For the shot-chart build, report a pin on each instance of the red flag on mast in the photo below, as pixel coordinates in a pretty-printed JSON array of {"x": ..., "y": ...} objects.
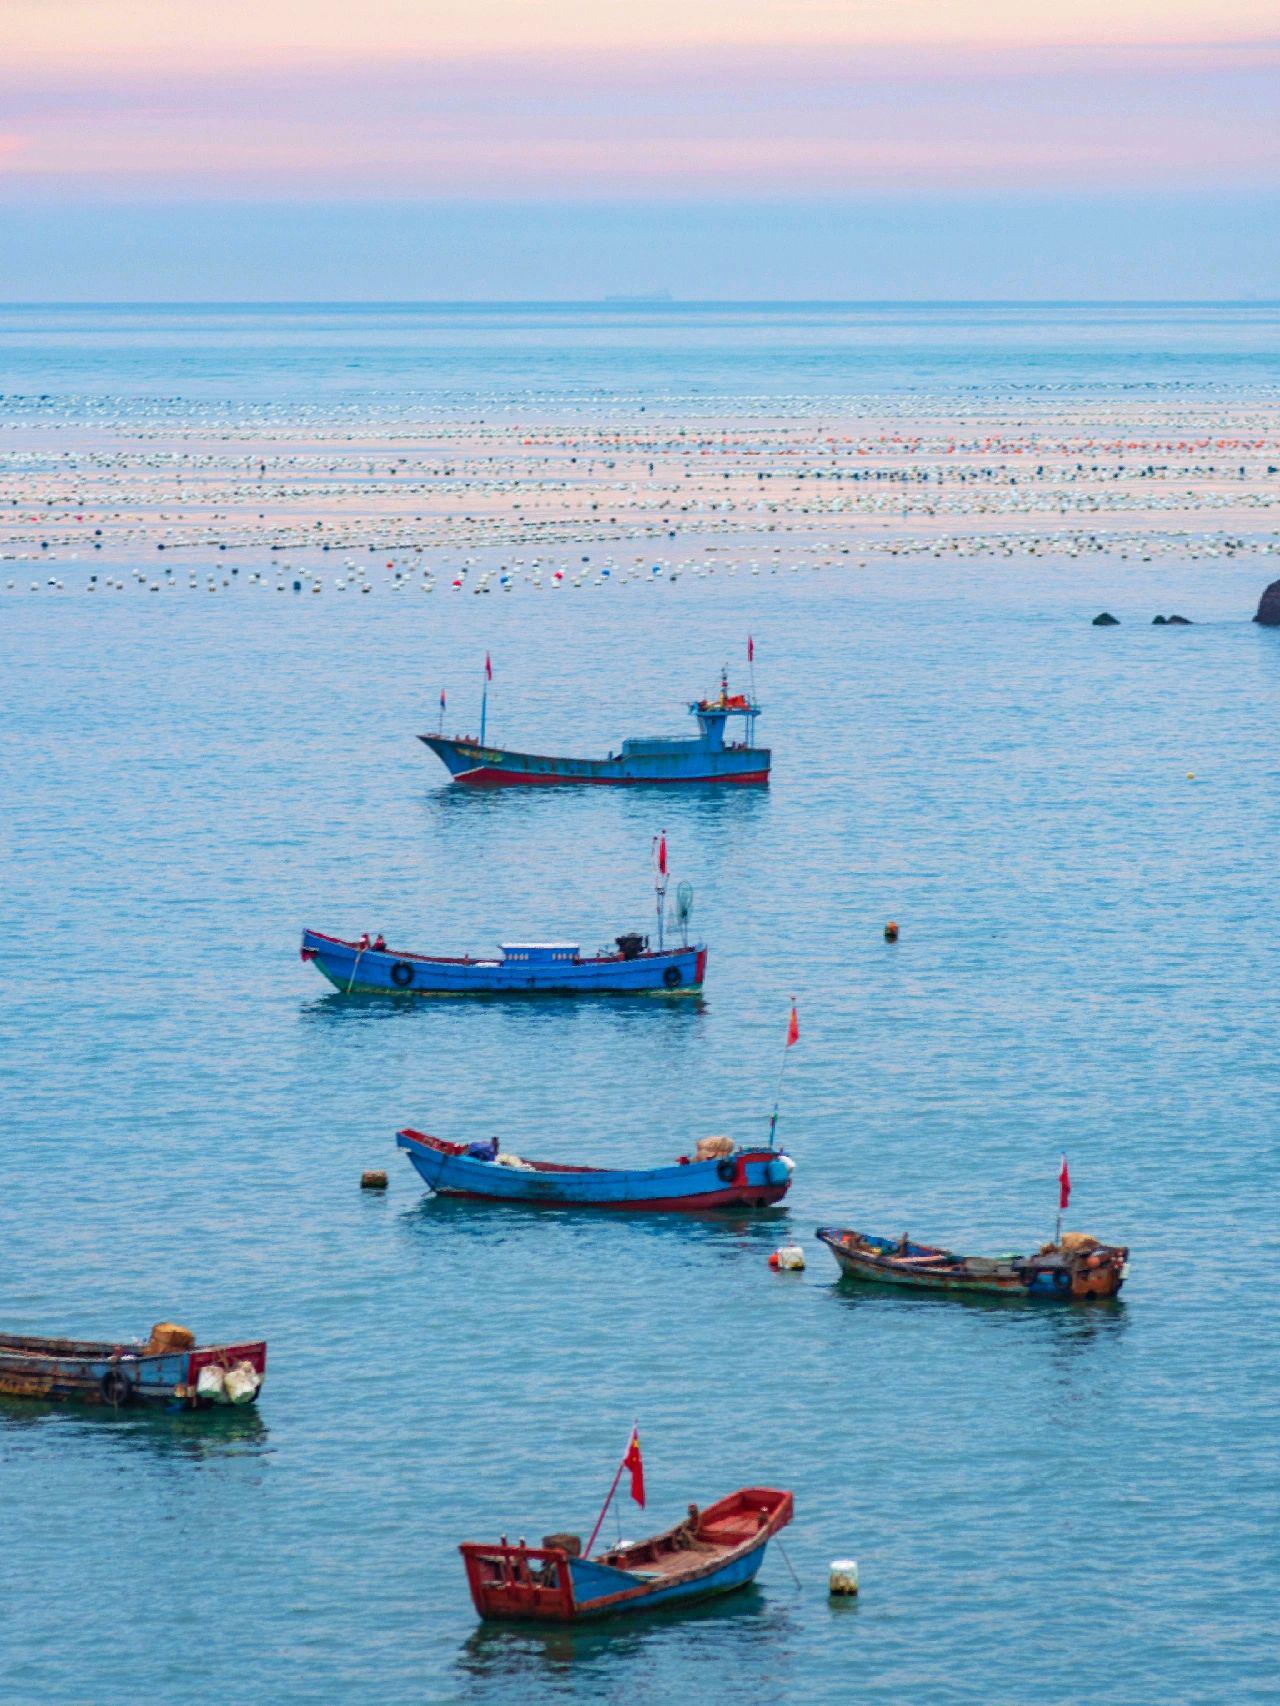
[
  {"x": 662, "y": 855},
  {"x": 488, "y": 668},
  {"x": 635, "y": 1463},
  {"x": 751, "y": 650},
  {"x": 793, "y": 1027},
  {"x": 1064, "y": 1185}
]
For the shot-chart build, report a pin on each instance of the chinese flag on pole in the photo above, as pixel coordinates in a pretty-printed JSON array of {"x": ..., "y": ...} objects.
[
  {"x": 662, "y": 855},
  {"x": 1064, "y": 1185},
  {"x": 751, "y": 649},
  {"x": 635, "y": 1463},
  {"x": 793, "y": 1027},
  {"x": 488, "y": 668}
]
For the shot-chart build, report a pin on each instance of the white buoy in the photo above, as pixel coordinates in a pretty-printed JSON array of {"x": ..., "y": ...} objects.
[
  {"x": 787, "y": 1259},
  {"x": 843, "y": 1578}
]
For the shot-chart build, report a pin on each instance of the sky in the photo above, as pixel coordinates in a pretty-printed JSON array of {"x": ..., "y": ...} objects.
[{"x": 407, "y": 149}]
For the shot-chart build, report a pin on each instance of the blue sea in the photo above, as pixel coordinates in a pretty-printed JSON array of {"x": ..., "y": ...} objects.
[{"x": 1076, "y": 831}]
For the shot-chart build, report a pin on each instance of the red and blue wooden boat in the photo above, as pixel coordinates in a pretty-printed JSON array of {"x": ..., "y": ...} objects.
[
  {"x": 524, "y": 968},
  {"x": 711, "y": 1552},
  {"x": 701, "y": 758},
  {"x": 750, "y": 1178},
  {"x": 1078, "y": 1266},
  {"x": 169, "y": 1369}
]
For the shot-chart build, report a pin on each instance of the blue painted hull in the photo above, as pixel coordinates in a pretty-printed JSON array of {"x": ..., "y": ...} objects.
[
  {"x": 597, "y": 1590},
  {"x": 753, "y": 1178},
  {"x": 664, "y": 762},
  {"x": 679, "y": 971}
]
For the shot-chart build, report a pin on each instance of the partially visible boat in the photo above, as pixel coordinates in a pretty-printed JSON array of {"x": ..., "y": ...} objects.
[
  {"x": 1078, "y": 1266},
  {"x": 710, "y": 1552},
  {"x": 704, "y": 757},
  {"x": 751, "y": 1178},
  {"x": 523, "y": 968},
  {"x": 168, "y": 1369}
]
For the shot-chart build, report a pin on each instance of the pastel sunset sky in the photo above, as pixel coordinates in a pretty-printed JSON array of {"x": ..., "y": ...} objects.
[{"x": 121, "y": 120}]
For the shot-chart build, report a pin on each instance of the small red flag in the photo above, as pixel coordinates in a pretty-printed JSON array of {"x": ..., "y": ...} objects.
[
  {"x": 635, "y": 1463},
  {"x": 662, "y": 855},
  {"x": 1064, "y": 1185},
  {"x": 751, "y": 649},
  {"x": 793, "y": 1027},
  {"x": 488, "y": 668},
  {"x": 442, "y": 698}
]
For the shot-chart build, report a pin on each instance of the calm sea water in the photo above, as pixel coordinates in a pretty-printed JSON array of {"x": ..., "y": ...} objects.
[{"x": 1045, "y": 1504}]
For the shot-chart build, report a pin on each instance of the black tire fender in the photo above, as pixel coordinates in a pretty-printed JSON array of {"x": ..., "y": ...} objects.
[
  {"x": 402, "y": 974},
  {"x": 672, "y": 977},
  {"x": 116, "y": 1388}
]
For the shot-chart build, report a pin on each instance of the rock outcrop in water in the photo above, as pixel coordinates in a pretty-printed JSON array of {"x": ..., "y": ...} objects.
[
  {"x": 1106, "y": 620},
  {"x": 1269, "y": 607}
]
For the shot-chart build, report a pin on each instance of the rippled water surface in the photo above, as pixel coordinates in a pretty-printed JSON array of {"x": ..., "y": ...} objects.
[{"x": 1076, "y": 830}]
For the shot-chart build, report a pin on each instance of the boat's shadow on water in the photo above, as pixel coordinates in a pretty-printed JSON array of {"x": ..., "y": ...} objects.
[
  {"x": 1078, "y": 1323},
  {"x": 530, "y": 1006},
  {"x": 196, "y": 1435},
  {"x": 495, "y": 1651},
  {"x": 728, "y": 1229},
  {"x": 703, "y": 802}
]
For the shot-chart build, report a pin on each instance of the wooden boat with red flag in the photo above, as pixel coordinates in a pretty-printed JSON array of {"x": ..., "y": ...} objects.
[
  {"x": 712, "y": 1551},
  {"x": 706, "y": 757},
  {"x": 1074, "y": 1266}
]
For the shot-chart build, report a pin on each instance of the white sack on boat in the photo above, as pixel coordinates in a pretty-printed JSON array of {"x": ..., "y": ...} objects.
[
  {"x": 241, "y": 1383},
  {"x": 514, "y": 1161},
  {"x": 211, "y": 1383}
]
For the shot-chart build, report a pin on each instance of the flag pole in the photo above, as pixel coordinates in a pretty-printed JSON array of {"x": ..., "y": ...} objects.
[
  {"x": 484, "y": 706},
  {"x": 622, "y": 1463},
  {"x": 777, "y": 1099}
]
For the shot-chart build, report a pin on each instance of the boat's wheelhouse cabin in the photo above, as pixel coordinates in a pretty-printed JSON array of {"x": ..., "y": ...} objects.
[{"x": 540, "y": 953}]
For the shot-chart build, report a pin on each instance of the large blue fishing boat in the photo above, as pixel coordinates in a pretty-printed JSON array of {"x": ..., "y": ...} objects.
[
  {"x": 751, "y": 1177},
  {"x": 704, "y": 757},
  {"x": 629, "y": 966},
  {"x": 523, "y": 968}
]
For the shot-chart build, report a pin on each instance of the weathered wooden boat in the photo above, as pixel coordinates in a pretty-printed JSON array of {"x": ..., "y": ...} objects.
[
  {"x": 710, "y": 1552},
  {"x": 748, "y": 1177},
  {"x": 168, "y": 1369},
  {"x": 1078, "y": 1266},
  {"x": 701, "y": 758},
  {"x": 363, "y": 968}
]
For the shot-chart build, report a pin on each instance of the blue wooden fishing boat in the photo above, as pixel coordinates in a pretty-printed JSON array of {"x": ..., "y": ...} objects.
[
  {"x": 711, "y": 1552},
  {"x": 168, "y": 1369},
  {"x": 704, "y": 757},
  {"x": 748, "y": 1177},
  {"x": 1074, "y": 1267},
  {"x": 370, "y": 967}
]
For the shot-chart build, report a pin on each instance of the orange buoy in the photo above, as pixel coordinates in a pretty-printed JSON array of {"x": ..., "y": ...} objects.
[{"x": 891, "y": 931}]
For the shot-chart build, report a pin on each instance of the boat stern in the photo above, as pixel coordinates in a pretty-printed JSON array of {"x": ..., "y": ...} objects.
[{"x": 519, "y": 1583}]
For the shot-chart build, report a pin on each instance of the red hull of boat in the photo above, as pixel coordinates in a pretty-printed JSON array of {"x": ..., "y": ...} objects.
[
  {"x": 493, "y": 778},
  {"x": 733, "y": 1196}
]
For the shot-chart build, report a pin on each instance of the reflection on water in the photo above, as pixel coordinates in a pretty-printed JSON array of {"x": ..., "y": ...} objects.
[
  {"x": 197, "y": 1435},
  {"x": 1075, "y": 1324},
  {"x": 727, "y": 1230},
  {"x": 518, "y": 1652},
  {"x": 338, "y": 1008}
]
